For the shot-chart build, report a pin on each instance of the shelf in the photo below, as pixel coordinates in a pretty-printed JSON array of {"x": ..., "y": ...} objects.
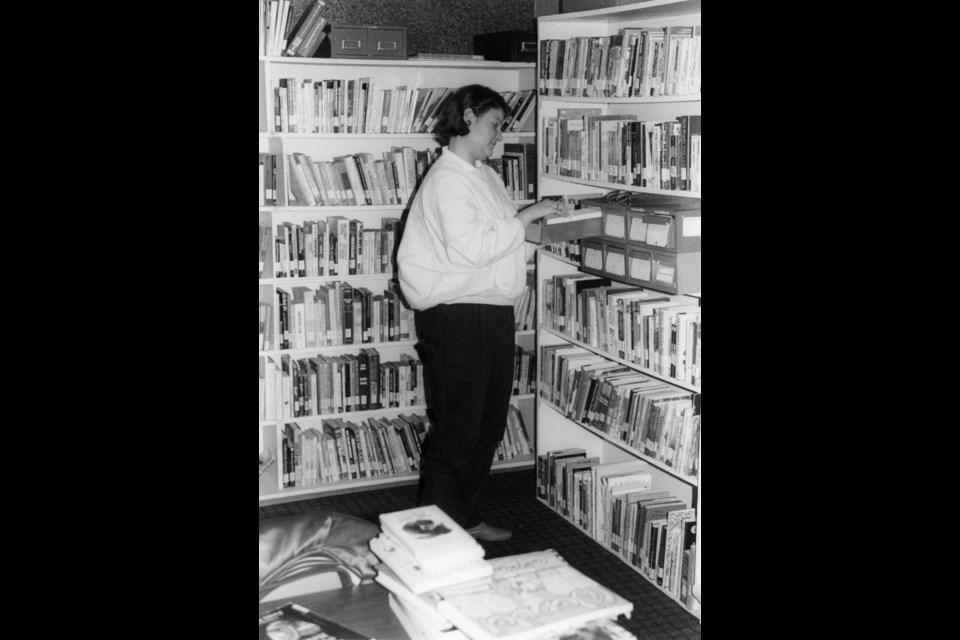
[
  {"x": 630, "y": 101},
  {"x": 356, "y": 416},
  {"x": 560, "y": 258},
  {"x": 619, "y": 187},
  {"x": 339, "y": 348},
  {"x": 345, "y": 486},
  {"x": 647, "y": 11},
  {"x": 490, "y": 65},
  {"x": 353, "y": 486},
  {"x": 693, "y": 482},
  {"x": 622, "y": 559},
  {"x": 367, "y": 277},
  {"x": 653, "y": 374}
]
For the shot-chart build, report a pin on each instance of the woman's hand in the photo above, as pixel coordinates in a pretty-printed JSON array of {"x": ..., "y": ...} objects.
[{"x": 540, "y": 210}]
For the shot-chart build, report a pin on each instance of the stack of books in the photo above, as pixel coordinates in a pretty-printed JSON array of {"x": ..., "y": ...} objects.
[{"x": 442, "y": 588}]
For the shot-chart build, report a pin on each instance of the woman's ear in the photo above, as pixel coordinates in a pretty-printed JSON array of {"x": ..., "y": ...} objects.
[{"x": 469, "y": 117}]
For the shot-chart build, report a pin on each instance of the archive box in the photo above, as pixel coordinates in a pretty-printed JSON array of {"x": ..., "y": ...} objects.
[{"x": 352, "y": 41}]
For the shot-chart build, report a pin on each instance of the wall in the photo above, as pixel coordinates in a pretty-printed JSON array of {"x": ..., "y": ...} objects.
[{"x": 433, "y": 26}]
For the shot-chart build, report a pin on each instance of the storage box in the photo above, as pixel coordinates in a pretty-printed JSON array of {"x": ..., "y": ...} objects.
[
  {"x": 507, "y": 46},
  {"x": 352, "y": 41},
  {"x": 674, "y": 273},
  {"x": 658, "y": 223}
]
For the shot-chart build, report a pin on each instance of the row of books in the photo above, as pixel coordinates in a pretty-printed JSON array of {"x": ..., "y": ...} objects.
[
  {"x": 619, "y": 149},
  {"x": 443, "y": 586},
  {"x": 359, "y": 106},
  {"x": 268, "y": 180},
  {"x": 518, "y": 168},
  {"x": 568, "y": 250},
  {"x": 348, "y": 383},
  {"x": 636, "y": 62},
  {"x": 293, "y": 388},
  {"x": 278, "y": 38},
  {"x": 656, "y": 419},
  {"x": 341, "y": 450},
  {"x": 656, "y": 331},
  {"x": 335, "y": 246},
  {"x": 358, "y": 179},
  {"x": 616, "y": 504},
  {"x": 274, "y": 21},
  {"x": 338, "y": 313}
]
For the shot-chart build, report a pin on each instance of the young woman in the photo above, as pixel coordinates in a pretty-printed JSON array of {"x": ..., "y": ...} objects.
[{"x": 462, "y": 266}]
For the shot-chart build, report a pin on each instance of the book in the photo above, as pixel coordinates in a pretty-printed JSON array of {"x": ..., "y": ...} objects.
[
  {"x": 295, "y": 621},
  {"x": 528, "y": 596},
  {"x": 419, "y": 579},
  {"x": 420, "y": 627},
  {"x": 432, "y": 537}
]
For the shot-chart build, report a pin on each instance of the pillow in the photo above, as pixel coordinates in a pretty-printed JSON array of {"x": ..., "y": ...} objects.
[{"x": 305, "y": 544}]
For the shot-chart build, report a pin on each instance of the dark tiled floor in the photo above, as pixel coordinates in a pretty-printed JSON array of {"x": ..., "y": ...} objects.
[{"x": 510, "y": 501}]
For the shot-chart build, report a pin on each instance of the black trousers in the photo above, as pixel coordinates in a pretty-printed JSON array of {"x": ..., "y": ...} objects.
[{"x": 468, "y": 352}]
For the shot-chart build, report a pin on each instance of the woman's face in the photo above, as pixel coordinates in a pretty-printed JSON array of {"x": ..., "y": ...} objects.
[{"x": 484, "y": 132}]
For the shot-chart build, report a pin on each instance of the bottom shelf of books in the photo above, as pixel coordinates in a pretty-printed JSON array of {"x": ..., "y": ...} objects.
[
  {"x": 363, "y": 451},
  {"x": 441, "y": 586},
  {"x": 645, "y": 517}
]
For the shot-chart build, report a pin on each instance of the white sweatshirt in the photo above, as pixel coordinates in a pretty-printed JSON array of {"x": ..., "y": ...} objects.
[{"x": 462, "y": 242}]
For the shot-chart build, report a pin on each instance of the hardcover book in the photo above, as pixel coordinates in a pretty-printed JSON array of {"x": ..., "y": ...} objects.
[
  {"x": 529, "y": 596},
  {"x": 432, "y": 537},
  {"x": 294, "y": 621}
]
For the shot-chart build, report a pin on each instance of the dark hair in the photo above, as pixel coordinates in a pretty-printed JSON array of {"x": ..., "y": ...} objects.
[{"x": 474, "y": 96}]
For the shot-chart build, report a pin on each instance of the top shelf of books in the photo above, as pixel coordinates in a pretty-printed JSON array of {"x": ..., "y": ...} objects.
[{"x": 649, "y": 10}]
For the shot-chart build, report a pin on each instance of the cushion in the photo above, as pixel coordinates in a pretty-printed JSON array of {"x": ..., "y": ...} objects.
[{"x": 310, "y": 543}]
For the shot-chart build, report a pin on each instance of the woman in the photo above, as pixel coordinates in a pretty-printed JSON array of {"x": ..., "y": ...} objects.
[{"x": 462, "y": 266}]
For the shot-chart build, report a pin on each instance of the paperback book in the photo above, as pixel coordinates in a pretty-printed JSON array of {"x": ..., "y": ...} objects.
[
  {"x": 408, "y": 570},
  {"x": 432, "y": 537},
  {"x": 294, "y": 621}
]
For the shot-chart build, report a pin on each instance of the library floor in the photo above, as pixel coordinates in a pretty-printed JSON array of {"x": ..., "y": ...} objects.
[{"x": 510, "y": 501}]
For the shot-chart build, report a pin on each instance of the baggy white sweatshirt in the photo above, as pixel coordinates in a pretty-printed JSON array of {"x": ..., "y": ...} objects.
[{"x": 462, "y": 242}]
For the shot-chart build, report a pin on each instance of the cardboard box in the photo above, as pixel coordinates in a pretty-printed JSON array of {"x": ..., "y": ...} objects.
[{"x": 674, "y": 273}]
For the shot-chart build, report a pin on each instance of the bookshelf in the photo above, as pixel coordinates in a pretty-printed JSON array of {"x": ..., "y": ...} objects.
[
  {"x": 555, "y": 430},
  {"x": 287, "y": 212}
]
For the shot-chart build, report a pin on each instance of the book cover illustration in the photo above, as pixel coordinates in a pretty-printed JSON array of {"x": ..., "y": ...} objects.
[
  {"x": 541, "y": 594},
  {"x": 432, "y": 537},
  {"x": 293, "y": 622}
]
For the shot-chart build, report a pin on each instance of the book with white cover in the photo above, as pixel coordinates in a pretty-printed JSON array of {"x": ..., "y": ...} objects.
[
  {"x": 432, "y": 537},
  {"x": 418, "y": 578},
  {"x": 415, "y": 627},
  {"x": 529, "y": 596}
]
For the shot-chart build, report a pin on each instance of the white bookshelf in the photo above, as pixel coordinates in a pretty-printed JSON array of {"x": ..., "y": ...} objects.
[
  {"x": 386, "y": 74},
  {"x": 554, "y": 430}
]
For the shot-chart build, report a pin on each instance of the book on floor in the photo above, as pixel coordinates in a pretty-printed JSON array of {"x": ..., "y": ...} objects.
[
  {"x": 529, "y": 595},
  {"x": 410, "y": 571},
  {"x": 295, "y": 621},
  {"x": 432, "y": 537}
]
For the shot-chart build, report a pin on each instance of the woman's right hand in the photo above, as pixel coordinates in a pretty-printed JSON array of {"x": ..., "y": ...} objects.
[{"x": 541, "y": 210}]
